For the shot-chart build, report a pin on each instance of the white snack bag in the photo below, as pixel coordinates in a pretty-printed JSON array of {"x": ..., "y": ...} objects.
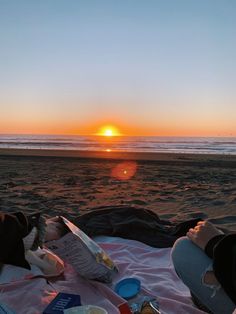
[{"x": 85, "y": 255}]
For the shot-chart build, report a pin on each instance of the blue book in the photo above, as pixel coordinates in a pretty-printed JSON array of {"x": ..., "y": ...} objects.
[{"x": 61, "y": 302}]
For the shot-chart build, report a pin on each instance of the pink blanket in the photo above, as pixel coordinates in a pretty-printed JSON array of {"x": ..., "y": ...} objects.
[{"x": 134, "y": 259}]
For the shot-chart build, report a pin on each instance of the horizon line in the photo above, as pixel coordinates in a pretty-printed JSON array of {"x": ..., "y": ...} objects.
[{"x": 116, "y": 136}]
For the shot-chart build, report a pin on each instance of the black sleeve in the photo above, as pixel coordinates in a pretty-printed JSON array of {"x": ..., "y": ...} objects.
[
  {"x": 209, "y": 248},
  {"x": 13, "y": 227},
  {"x": 224, "y": 264}
]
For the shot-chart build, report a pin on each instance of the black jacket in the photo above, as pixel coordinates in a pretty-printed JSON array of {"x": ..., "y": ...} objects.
[
  {"x": 13, "y": 228},
  {"x": 134, "y": 223},
  {"x": 222, "y": 249}
]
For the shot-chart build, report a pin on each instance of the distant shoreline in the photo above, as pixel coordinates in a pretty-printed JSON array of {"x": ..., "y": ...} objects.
[{"x": 161, "y": 158}]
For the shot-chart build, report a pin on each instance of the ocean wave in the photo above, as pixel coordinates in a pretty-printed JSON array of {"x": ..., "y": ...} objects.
[{"x": 197, "y": 145}]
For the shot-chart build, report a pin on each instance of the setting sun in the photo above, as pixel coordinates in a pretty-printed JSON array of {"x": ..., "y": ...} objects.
[{"x": 108, "y": 131}]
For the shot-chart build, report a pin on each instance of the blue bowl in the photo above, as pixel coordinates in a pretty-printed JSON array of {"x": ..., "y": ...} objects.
[{"x": 128, "y": 288}]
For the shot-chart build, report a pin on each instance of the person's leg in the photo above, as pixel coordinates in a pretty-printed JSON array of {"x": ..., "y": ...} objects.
[{"x": 191, "y": 265}]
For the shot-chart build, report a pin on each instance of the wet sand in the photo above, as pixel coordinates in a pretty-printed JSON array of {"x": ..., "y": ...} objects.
[{"x": 72, "y": 183}]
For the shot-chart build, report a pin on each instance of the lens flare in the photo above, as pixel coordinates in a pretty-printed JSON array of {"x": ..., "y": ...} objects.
[{"x": 124, "y": 170}]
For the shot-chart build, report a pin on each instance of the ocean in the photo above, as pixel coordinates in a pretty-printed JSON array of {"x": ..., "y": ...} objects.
[{"x": 193, "y": 145}]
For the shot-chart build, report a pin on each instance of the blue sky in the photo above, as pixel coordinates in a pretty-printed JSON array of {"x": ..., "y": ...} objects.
[{"x": 149, "y": 67}]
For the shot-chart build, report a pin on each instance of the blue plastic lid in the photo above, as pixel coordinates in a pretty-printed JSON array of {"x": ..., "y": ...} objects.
[{"x": 128, "y": 287}]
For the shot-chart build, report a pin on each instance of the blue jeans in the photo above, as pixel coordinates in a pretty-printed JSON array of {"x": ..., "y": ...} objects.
[{"x": 191, "y": 264}]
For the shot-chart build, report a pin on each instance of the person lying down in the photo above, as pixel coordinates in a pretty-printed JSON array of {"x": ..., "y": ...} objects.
[
  {"x": 27, "y": 241},
  {"x": 22, "y": 238}
]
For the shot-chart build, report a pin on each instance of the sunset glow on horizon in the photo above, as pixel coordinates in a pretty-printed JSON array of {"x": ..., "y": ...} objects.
[
  {"x": 108, "y": 131},
  {"x": 161, "y": 68}
]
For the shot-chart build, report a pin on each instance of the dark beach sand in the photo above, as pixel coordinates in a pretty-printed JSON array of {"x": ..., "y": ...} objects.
[{"x": 71, "y": 183}]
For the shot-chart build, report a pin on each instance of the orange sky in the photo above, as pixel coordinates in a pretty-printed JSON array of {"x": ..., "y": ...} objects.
[
  {"x": 164, "y": 68},
  {"x": 186, "y": 128}
]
